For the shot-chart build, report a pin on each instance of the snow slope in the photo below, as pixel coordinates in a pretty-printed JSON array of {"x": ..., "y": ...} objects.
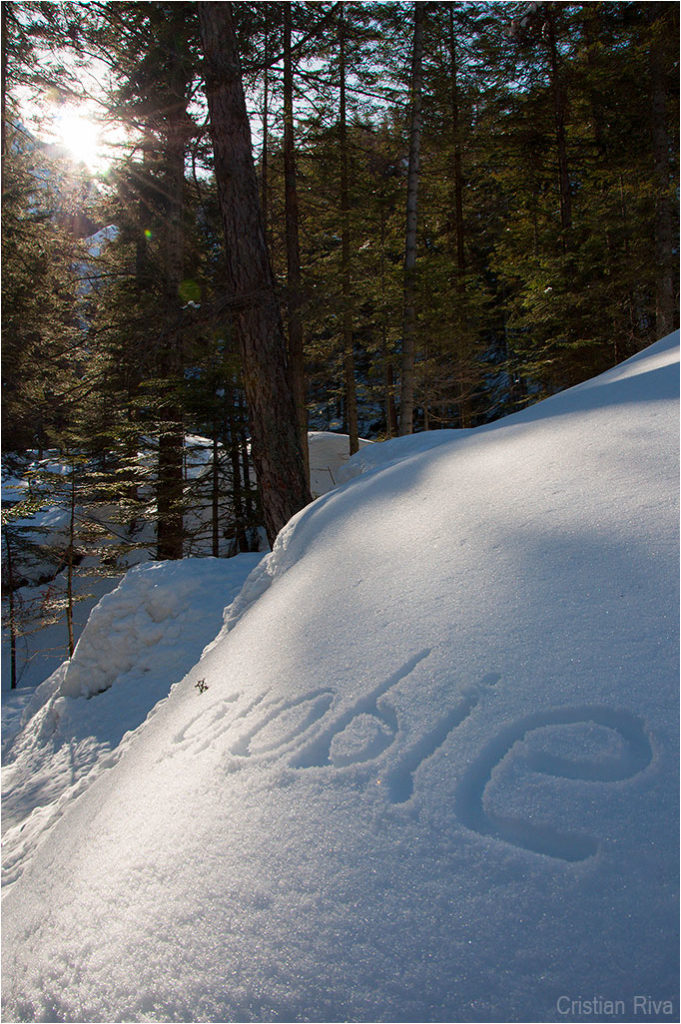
[
  {"x": 431, "y": 771},
  {"x": 140, "y": 639}
]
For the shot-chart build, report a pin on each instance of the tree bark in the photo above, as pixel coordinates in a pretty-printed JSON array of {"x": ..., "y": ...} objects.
[
  {"x": 591, "y": 27},
  {"x": 277, "y": 454},
  {"x": 170, "y": 486},
  {"x": 265, "y": 134},
  {"x": 459, "y": 282},
  {"x": 348, "y": 343},
  {"x": 13, "y": 631},
  {"x": 665, "y": 299},
  {"x": 295, "y": 323},
  {"x": 458, "y": 174},
  {"x": 233, "y": 436},
  {"x": 560, "y": 114},
  {"x": 386, "y": 356},
  {"x": 4, "y": 15},
  {"x": 246, "y": 482},
  {"x": 69, "y": 561},
  {"x": 215, "y": 494},
  {"x": 409, "y": 314}
]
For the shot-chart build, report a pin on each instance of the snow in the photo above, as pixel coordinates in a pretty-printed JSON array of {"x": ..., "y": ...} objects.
[
  {"x": 329, "y": 454},
  {"x": 425, "y": 770},
  {"x": 43, "y": 641},
  {"x": 43, "y": 647},
  {"x": 14, "y": 489},
  {"x": 140, "y": 639},
  {"x": 389, "y": 453},
  {"x": 97, "y": 243}
]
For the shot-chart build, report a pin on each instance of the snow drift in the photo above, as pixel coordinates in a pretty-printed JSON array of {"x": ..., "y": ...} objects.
[
  {"x": 140, "y": 639},
  {"x": 431, "y": 770}
]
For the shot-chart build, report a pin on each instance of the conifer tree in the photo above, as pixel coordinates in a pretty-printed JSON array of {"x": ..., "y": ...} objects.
[
  {"x": 277, "y": 453},
  {"x": 294, "y": 298},
  {"x": 413, "y": 176}
]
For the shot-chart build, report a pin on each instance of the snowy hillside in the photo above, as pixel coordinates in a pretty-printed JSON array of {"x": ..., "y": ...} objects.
[
  {"x": 427, "y": 769},
  {"x": 139, "y": 640}
]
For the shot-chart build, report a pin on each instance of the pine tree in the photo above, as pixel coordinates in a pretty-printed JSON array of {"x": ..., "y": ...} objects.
[
  {"x": 293, "y": 292},
  {"x": 664, "y": 29},
  {"x": 257, "y": 323},
  {"x": 413, "y": 176},
  {"x": 39, "y": 327}
]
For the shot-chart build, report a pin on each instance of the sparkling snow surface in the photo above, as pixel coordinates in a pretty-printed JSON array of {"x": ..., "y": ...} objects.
[
  {"x": 140, "y": 639},
  {"x": 433, "y": 775}
]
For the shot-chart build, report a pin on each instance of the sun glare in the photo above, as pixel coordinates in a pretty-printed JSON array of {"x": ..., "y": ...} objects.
[
  {"x": 79, "y": 134},
  {"x": 82, "y": 134}
]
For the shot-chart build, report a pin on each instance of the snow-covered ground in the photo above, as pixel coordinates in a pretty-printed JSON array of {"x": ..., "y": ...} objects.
[
  {"x": 140, "y": 639},
  {"x": 43, "y": 643},
  {"x": 426, "y": 770}
]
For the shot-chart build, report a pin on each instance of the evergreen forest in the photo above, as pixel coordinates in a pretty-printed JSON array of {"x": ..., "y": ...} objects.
[{"x": 425, "y": 216}]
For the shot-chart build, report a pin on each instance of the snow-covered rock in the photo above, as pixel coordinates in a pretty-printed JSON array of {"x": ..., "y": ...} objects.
[
  {"x": 431, "y": 769},
  {"x": 329, "y": 454}
]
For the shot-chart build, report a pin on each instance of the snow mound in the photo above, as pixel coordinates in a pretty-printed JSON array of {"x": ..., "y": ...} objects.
[
  {"x": 139, "y": 640},
  {"x": 140, "y": 622},
  {"x": 389, "y": 453},
  {"x": 431, "y": 769}
]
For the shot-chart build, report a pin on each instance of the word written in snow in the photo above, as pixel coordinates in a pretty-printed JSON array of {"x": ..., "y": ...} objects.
[{"x": 313, "y": 733}]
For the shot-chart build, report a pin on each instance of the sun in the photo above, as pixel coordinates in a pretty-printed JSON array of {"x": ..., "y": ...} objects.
[{"x": 77, "y": 131}]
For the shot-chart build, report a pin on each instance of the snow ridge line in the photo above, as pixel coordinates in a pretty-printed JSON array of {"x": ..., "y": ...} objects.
[
  {"x": 281, "y": 558},
  {"x": 257, "y": 582}
]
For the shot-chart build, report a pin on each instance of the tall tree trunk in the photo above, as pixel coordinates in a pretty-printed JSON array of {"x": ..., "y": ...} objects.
[
  {"x": 232, "y": 437},
  {"x": 459, "y": 283},
  {"x": 295, "y": 323},
  {"x": 246, "y": 482},
  {"x": 591, "y": 24},
  {"x": 591, "y": 17},
  {"x": 277, "y": 454},
  {"x": 170, "y": 487},
  {"x": 386, "y": 358},
  {"x": 142, "y": 269},
  {"x": 409, "y": 312},
  {"x": 3, "y": 55},
  {"x": 348, "y": 344},
  {"x": 215, "y": 493},
  {"x": 665, "y": 300},
  {"x": 264, "y": 191},
  {"x": 559, "y": 91},
  {"x": 69, "y": 561},
  {"x": 631, "y": 325},
  {"x": 11, "y": 600},
  {"x": 456, "y": 142}
]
